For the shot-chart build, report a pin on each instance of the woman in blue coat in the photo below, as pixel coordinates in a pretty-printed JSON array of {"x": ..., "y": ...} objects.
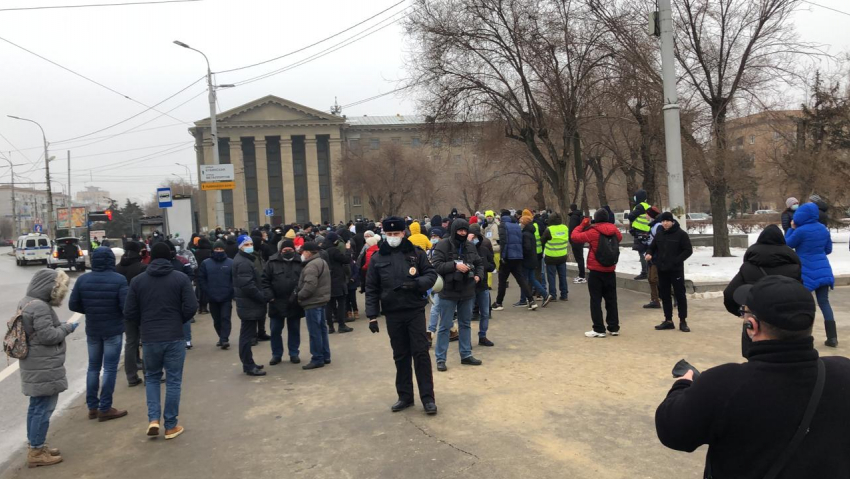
[{"x": 812, "y": 242}]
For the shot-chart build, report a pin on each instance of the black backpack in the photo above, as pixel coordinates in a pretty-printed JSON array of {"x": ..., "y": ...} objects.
[{"x": 607, "y": 250}]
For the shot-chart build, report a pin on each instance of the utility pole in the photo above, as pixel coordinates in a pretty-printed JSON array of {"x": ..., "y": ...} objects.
[
  {"x": 70, "y": 203},
  {"x": 50, "y": 221},
  {"x": 672, "y": 126}
]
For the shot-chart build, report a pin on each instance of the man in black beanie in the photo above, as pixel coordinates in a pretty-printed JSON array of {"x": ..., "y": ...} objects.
[
  {"x": 397, "y": 282},
  {"x": 668, "y": 252}
]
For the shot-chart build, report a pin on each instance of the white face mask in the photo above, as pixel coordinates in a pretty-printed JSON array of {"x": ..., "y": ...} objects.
[
  {"x": 394, "y": 241},
  {"x": 304, "y": 258}
]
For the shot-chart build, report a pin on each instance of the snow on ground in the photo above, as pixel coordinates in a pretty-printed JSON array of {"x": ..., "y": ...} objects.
[{"x": 703, "y": 268}]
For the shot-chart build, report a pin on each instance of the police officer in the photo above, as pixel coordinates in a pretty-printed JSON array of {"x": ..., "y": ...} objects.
[{"x": 396, "y": 283}]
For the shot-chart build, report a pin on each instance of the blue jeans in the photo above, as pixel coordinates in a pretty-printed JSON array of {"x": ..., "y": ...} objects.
[
  {"x": 320, "y": 346},
  {"x": 103, "y": 352},
  {"x": 169, "y": 355},
  {"x": 434, "y": 317},
  {"x": 482, "y": 299},
  {"x": 38, "y": 418},
  {"x": 822, "y": 295},
  {"x": 533, "y": 284},
  {"x": 187, "y": 332},
  {"x": 561, "y": 270},
  {"x": 293, "y": 336},
  {"x": 464, "y": 318}
]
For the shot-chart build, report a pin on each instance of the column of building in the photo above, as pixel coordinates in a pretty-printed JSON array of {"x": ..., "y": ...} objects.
[
  {"x": 315, "y": 208},
  {"x": 263, "y": 201},
  {"x": 240, "y": 218},
  {"x": 337, "y": 195}
]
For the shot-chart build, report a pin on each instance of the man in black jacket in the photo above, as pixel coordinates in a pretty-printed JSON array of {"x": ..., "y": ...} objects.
[
  {"x": 339, "y": 262},
  {"x": 482, "y": 289},
  {"x": 250, "y": 301},
  {"x": 397, "y": 282},
  {"x": 458, "y": 263},
  {"x": 577, "y": 248},
  {"x": 748, "y": 413},
  {"x": 280, "y": 279},
  {"x": 668, "y": 252},
  {"x": 131, "y": 266},
  {"x": 160, "y": 301}
]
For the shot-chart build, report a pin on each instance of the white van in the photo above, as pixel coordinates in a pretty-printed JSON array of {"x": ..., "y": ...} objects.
[{"x": 32, "y": 247}]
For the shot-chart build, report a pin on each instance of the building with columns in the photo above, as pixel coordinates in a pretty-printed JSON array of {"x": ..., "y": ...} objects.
[{"x": 287, "y": 157}]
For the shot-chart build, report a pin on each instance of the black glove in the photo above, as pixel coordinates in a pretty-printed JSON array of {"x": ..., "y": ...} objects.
[{"x": 373, "y": 325}]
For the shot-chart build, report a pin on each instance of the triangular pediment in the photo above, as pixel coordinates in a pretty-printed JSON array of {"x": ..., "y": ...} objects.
[{"x": 273, "y": 109}]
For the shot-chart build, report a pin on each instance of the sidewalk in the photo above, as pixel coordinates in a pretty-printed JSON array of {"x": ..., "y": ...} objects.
[{"x": 547, "y": 403}]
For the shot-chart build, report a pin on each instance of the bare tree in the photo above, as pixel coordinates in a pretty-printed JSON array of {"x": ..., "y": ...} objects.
[
  {"x": 389, "y": 178},
  {"x": 528, "y": 63},
  {"x": 727, "y": 48}
]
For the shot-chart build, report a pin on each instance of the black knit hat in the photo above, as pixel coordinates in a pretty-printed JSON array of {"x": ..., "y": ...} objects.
[
  {"x": 600, "y": 216},
  {"x": 133, "y": 246},
  {"x": 287, "y": 243},
  {"x": 393, "y": 223},
  {"x": 780, "y": 301},
  {"x": 161, "y": 251},
  {"x": 666, "y": 216},
  {"x": 310, "y": 246}
]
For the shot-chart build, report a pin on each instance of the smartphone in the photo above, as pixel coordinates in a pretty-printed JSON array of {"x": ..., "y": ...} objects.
[{"x": 683, "y": 367}]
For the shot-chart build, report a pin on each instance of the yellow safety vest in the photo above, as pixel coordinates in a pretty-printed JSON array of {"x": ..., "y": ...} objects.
[
  {"x": 641, "y": 223},
  {"x": 537, "y": 238},
  {"x": 557, "y": 246}
]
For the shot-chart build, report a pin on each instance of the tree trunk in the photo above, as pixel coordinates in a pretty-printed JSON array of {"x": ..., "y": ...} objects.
[
  {"x": 540, "y": 196},
  {"x": 631, "y": 185},
  {"x": 717, "y": 195}
]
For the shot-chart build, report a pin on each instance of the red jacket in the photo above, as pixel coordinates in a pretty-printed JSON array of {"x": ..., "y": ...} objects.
[{"x": 587, "y": 233}]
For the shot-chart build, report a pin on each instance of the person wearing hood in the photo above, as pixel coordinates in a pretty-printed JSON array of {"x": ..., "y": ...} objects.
[
  {"x": 602, "y": 276},
  {"x": 43, "y": 368},
  {"x": 530, "y": 262},
  {"x": 823, "y": 209},
  {"x": 639, "y": 228},
  {"x": 280, "y": 278},
  {"x": 161, "y": 301},
  {"x": 100, "y": 295},
  {"x": 669, "y": 250},
  {"x": 202, "y": 253},
  {"x": 461, "y": 268},
  {"x": 436, "y": 222},
  {"x": 231, "y": 248},
  {"x": 338, "y": 263},
  {"x": 770, "y": 256},
  {"x": 510, "y": 235},
  {"x": 812, "y": 242},
  {"x": 791, "y": 205},
  {"x": 417, "y": 238},
  {"x": 397, "y": 283},
  {"x": 577, "y": 248},
  {"x": 251, "y": 305},
  {"x": 482, "y": 289},
  {"x": 131, "y": 266},
  {"x": 556, "y": 241},
  {"x": 215, "y": 279}
]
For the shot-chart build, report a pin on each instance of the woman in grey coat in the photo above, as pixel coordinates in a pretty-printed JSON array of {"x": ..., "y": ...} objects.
[{"x": 43, "y": 370}]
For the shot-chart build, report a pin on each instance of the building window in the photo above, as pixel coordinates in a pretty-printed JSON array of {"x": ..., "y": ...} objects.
[
  {"x": 354, "y": 143},
  {"x": 355, "y": 201},
  {"x": 324, "y": 192},
  {"x": 396, "y": 141},
  {"x": 374, "y": 143},
  {"x": 436, "y": 143},
  {"x": 777, "y": 135},
  {"x": 457, "y": 141},
  {"x": 300, "y": 191},
  {"x": 752, "y": 139},
  {"x": 415, "y": 142}
]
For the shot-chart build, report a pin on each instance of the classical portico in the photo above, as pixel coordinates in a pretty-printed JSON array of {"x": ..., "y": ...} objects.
[{"x": 285, "y": 157}]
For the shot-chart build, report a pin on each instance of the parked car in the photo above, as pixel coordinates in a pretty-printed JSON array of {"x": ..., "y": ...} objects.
[
  {"x": 32, "y": 247},
  {"x": 766, "y": 212},
  {"x": 697, "y": 217},
  {"x": 67, "y": 253},
  {"x": 6, "y": 242}
]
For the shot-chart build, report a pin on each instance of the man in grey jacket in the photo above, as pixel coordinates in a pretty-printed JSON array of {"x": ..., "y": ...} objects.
[
  {"x": 314, "y": 292},
  {"x": 43, "y": 369}
]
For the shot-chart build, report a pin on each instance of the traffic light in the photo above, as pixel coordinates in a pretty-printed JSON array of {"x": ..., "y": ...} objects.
[{"x": 100, "y": 215}]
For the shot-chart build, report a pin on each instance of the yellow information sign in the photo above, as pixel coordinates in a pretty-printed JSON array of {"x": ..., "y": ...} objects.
[{"x": 218, "y": 185}]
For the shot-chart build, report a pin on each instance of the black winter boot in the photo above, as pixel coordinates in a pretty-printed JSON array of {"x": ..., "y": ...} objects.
[{"x": 831, "y": 334}]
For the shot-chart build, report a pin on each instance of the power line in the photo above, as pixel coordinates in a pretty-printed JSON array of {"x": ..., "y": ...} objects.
[
  {"x": 106, "y": 136},
  {"x": 96, "y": 5},
  {"x": 316, "y": 43},
  {"x": 365, "y": 100},
  {"x": 348, "y": 41},
  {"x": 85, "y": 77},
  {"x": 77, "y": 157},
  {"x": 824, "y": 6}
]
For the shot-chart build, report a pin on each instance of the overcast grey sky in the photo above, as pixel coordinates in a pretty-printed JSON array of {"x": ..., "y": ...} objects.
[{"x": 130, "y": 50}]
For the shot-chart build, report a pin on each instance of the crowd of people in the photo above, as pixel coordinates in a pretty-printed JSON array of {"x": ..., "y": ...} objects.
[{"x": 148, "y": 301}]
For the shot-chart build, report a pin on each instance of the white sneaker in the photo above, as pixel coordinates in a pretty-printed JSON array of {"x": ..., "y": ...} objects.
[
  {"x": 615, "y": 333},
  {"x": 580, "y": 281},
  {"x": 594, "y": 334}
]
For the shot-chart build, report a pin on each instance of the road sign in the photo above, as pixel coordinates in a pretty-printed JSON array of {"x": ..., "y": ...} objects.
[
  {"x": 269, "y": 211},
  {"x": 164, "y": 197},
  {"x": 37, "y": 228},
  {"x": 217, "y": 173},
  {"x": 218, "y": 185}
]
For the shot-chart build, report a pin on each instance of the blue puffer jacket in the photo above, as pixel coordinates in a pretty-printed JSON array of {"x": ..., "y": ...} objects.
[
  {"x": 100, "y": 295},
  {"x": 214, "y": 278},
  {"x": 812, "y": 242},
  {"x": 512, "y": 241}
]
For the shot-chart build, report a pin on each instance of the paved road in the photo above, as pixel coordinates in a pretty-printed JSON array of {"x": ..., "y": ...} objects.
[{"x": 13, "y": 283}]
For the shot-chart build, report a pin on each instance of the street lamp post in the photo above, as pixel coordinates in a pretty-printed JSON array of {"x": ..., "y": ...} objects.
[
  {"x": 191, "y": 183},
  {"x": 50, "y": 220},
  {"x": 219, "y": 205},
  {"x": 182, "y": 183}
]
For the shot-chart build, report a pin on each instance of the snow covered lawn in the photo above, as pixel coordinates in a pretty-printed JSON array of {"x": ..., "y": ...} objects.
[{"x": 702, "y": 268}]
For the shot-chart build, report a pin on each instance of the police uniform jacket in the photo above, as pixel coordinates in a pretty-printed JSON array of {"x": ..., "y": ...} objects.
[{"x": 398, "y": 279}]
